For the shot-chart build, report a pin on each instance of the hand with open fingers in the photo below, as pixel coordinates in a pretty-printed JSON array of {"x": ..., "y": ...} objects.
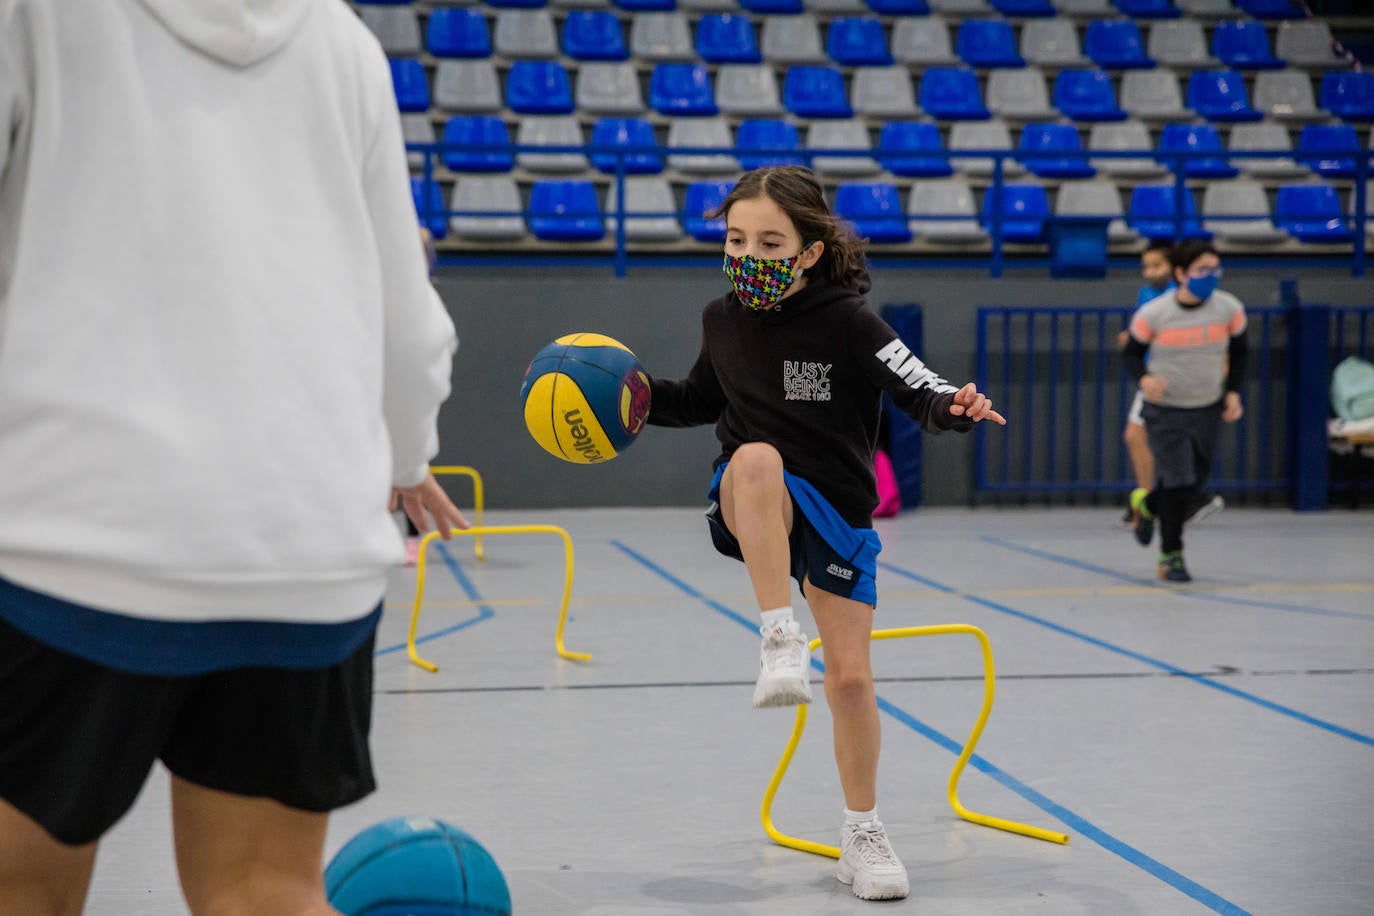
[
  {"x": 970, "y": 402},
  {"x": 1152, "y": 387},
  {"x": 428, "y": 500},
  {"x": 1231, "y": 409}
]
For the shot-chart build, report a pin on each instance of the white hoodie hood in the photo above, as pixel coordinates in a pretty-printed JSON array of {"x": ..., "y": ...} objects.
[{"x": 238, "y": 32}]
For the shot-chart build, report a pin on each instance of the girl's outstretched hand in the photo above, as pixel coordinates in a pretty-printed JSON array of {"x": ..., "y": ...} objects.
[{"x": 969, "y": 402}]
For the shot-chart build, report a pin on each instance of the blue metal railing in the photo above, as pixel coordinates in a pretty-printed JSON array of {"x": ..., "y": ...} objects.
[
  {"x": 1059, "y": 370},
  {"x": 1359, "y": 216}
]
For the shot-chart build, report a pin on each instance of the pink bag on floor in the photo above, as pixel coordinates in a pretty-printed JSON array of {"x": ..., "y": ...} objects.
[{"x": 889, "y": 497}]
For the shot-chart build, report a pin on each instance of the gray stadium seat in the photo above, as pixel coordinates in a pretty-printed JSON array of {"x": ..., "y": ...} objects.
[
  {"x": 1179, "y": 43},
  {"x": 1368, "y": 201},
  {"x": 883, "y": 92},
  {"x": 1121, "y": 136},
  {"x": 961, "y": 7},
  {"x": 1306, "y": 43},
  {"x": 1019, "y": 94},
  {"x": 722, "y": 6},
  {"x": 977, "y": 135},
  {"x": 1095, "y": 198},
  {"x": 842, "y": 134},
  {"x": 645, "y": 194},
  {"x": 1264, "y": 135},
  {"x": 608, "y": 87},
  {"x": 416, "y": 127},
  {"x": 1152, "y": 94},
  {"x": 1093, "y": 9},
  {"x": 396, "y": 27},
  {"x": 748, "y": 89},
  {"x": 1287, "y": 95},
  {"x": 923, "y": 40},
  {"x": 467, "y": 86},
  {"x": 1052, "y": 42},
  {"x": 701, "y": 132},
  {"x": 792, "y": 40},
  {"x": 661, "y": 36},
  {"x": 950, "y": 198},
  {"x": 550, "y": 130},
  {"x": 490, "y": 194},
  {"x": 836, "y": 7},
  {"x": 1247, "y": 207},
  {"x": 1207, "y": 9},
  {"x": 581, "y": 4},
  {"x": 525, "y": 34}
]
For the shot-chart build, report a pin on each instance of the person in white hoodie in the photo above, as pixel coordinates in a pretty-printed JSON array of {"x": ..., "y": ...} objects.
[{"x": 221, "y": 364}]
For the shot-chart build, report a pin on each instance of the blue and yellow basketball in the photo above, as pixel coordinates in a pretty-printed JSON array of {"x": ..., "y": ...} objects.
[
  {"x": 586, "y": 398},
  {"x": 416, "y": 866}
]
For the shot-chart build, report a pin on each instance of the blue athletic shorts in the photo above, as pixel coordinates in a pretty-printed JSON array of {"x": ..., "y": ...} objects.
[{"x": 826, "y": 551}]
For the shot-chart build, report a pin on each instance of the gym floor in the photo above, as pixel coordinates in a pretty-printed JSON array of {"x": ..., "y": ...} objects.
[{"x": 1207, "y": 748}]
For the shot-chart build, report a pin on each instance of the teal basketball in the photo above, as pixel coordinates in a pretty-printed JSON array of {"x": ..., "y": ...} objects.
[{"x": 416, "y": 866}]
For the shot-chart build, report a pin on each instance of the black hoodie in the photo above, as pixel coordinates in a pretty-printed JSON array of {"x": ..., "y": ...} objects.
[{"x": 807, "y": 377}]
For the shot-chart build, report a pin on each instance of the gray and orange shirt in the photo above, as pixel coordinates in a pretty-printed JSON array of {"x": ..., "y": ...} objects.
[{"x": 1189, "y": 345}]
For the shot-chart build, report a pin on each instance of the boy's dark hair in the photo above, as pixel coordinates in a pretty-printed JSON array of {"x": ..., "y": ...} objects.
[
  {"x": 1182, "y": 255},
  {"x": 797, "y": 192},
  {"x": 1163, "y": 245}
]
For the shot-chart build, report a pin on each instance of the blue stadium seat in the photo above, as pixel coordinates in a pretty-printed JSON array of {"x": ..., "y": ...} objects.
[
  {"x": 626, "y": 132},
  {"x": 1273, "y": 9},
  {"x": 518, "y": 4},
  {"x": 769, "y": 7},
  {"x": 1194, "y": 138},
  {"x": 1148, "y": 9},
  {"x": 704, "y": 197},
  {"x": 538, "y": 87},
  {"x": 724, "y": 38},
  {"x": 681, "y": 89},
  {"x": 1024, "y": 9},
  {"x": 1023, "y": 210},
  {"x": 1115, "y": 44},
  {"x": 815, "y": 92},
  {"x": 457, "y": 32},
  {"x": 594, "y": 35},
  {"x": 409, "y": 82},
  {"x": 1054, "y": 138},
  {"x": 647, "y": 6},
  {"x": 951, "y": 94},
  {"x": 1152, "y": 211},
  {"x": 1086, "y": 95},
  {"x": 467, "y": 131},
  {"x": 857, "y": 41},
  {"x": 875, "y": 211},
  {"x": 913, "y": 149},
  {"x": 987, "y": 43},
  {"x": 429, "y": 196},
  {"x": 1244, "y": 44},
  {"x": 1349, "y": 95},
  {"x": 565, "y": 211},
  {"x": 1312, "y": 213},
  {"x": 1219, "y": 95},
  {"x": 899, "y": 7},
  {"x": 1329, "y": 149},
  {"x": 779, "y": 138}
]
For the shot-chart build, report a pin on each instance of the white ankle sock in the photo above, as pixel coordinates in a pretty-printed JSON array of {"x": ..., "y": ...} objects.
[
  {"x": 853, "y": 818},
  {"x": 778, "y": 617}
]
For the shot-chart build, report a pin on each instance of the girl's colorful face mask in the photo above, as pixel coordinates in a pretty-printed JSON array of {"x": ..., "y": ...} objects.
[{"x": 760, "y": 282}]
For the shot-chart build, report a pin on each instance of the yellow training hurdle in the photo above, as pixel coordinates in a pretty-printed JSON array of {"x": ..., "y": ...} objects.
[
  {"x": 476, "y": 532},
  {"x": 833, "y": 852},
  {"x": 465, "y": 471}
]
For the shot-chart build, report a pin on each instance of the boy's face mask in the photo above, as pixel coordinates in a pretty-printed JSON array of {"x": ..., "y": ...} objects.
[
  {"x": 1203, "y": 286},
  {"x": 760, "y": 282}
]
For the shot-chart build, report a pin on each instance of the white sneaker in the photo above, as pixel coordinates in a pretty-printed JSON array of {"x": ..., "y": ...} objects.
[
  {"x": 784, "y": 667},
  {"x": 869, "y": 865}
]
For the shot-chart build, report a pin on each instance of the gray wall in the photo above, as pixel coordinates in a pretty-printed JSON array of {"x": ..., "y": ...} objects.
[{"x": 505, "y": 314}]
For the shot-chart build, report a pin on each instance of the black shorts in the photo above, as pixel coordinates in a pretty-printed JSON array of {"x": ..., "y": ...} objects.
[
  {"x": 1183, "y": 441},
  {"x": 77, "y": 739}
]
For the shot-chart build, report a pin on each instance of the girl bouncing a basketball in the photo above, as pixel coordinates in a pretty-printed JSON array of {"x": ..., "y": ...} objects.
[{"x": 792, "y": 370}]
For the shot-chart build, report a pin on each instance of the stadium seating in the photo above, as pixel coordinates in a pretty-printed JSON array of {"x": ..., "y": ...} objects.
[
  {"x": 1020, "y": 212},
  {"x": 875, "y": 211},
  {"x": 487, "y": 208},
  {"x": 616, "y": 133},
  {"x": 1329, "y": 149},
  {"x": 1312, "y": 213},
  {"x": 943, "y": 213},
  {"x": 857, "y": 42},
  {"x": 594, "y": 35},
  {"x": 1115, "y": 44},
  {"x": 1349, "y": 95},
  {"x": 727, "y": 39},
  {"x": 565, "y": 211},
  {"x": 1238, "y": 211},
  {"x": 649, "y": 210},
  {"x": 410, "y": 84},
  {"x": 952, "y": 95},
  {"x": 987, "y": 43},
  {"x": 1154, "y": 213},
  {"x": 764, "y": 141},
  {"x": 477, "y": 131},
  {"x": 701, "y": 133},
  {"x": 1086, "y": 95},
  {"x": 846, "y": 134},
  {"x": 815, "y": 92},
  {"x": 1244, "y": 44},
  {"x": 1201, "y": 140},
  {"x": 457, "y": 32},
  {"x": 538, "y": 87},
  {"x": 1046, "y": 140},
  {"x": 681, "y": 89},
  {"x": 704, "y": 197},
  {"x": 1219, "y": 95},
  {"x": 913, "y": 149},
  {"x": 883, "y": 92},
  {"x": 1095, "y": 198}
]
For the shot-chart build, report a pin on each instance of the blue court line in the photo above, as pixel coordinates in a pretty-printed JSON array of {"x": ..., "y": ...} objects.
[
  {"x": 1169, "y": 590},
  {"x": 484, "y": 611},
  {"x": 1074, "y": 822},
  {"x": 1145, "y": 659}
]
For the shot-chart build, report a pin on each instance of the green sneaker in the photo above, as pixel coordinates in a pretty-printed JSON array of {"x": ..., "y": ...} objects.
[
  {"x": 1142, "y": 522},
  {"x": 1171, "y": 568}
]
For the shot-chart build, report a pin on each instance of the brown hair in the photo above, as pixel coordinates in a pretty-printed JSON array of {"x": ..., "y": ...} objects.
[
  {"x": 797, "y": 192},
  {"x": 1182, "y": 255}
]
